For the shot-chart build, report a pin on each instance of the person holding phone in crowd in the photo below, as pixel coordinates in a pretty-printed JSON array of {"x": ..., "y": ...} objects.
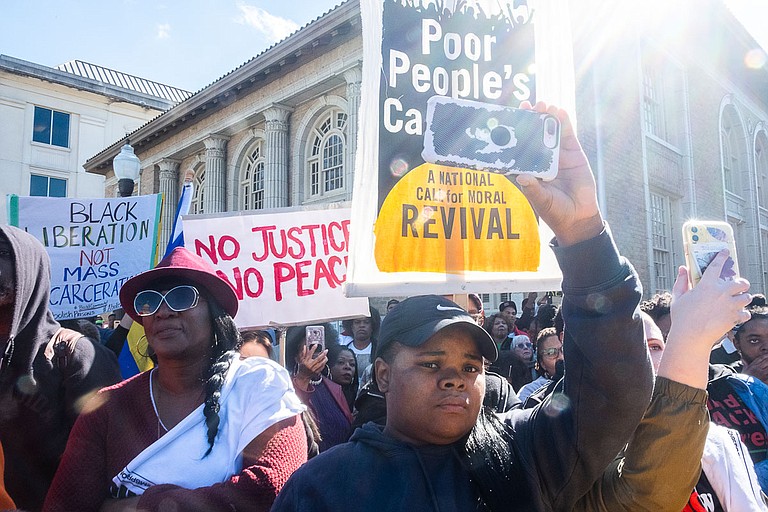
[
  {"x": 675, "y": 429},
  {"x": 202, "y": 431},
  {"x": 312, "y": 379}
]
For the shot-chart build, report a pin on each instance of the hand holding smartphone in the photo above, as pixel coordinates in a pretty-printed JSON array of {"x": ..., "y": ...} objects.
[{"x": 702, "y": 240}]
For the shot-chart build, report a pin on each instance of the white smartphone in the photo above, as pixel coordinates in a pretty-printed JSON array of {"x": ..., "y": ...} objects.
[
  {"x": 485, "y": 136},
  {"x": 702, "y": 240}
]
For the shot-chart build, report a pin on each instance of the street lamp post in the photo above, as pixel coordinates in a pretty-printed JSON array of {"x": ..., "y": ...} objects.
[{"x": 126, "y": 166}]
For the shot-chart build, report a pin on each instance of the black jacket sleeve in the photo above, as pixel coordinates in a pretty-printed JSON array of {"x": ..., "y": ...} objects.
[{"x": 572, "y": 436}]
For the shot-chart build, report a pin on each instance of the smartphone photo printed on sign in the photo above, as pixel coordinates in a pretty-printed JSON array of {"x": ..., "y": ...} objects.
[{"x": 496, "y": 138}]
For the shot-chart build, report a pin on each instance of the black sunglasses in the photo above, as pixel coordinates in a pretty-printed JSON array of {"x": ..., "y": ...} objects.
[
  {"x": 178, "y": 299},
  {"x": 524, "y": 344}
]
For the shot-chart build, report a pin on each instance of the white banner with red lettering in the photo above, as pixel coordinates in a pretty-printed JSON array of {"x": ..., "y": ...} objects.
[{"x": 287, "y": 266}]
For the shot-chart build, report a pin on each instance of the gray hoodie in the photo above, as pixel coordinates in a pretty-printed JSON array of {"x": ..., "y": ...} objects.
[{"x": 38, "y": 401}]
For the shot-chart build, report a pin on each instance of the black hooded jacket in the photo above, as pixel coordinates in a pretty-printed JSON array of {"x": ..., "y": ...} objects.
[
  {"x": 39, "y": 401},
  {"x": 542, "y": 459}
]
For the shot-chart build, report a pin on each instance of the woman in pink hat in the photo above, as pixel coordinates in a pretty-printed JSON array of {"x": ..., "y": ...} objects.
[{"x": 203, "y": 430}]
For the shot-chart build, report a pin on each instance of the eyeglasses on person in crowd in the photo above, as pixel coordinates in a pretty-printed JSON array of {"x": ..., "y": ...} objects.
[
  {"x": 524, "y": 344},
  {"x": 552, "y": 352},
  {"x": 178, "y": 299}
]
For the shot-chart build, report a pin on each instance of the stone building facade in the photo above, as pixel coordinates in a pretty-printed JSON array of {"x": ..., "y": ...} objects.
[
  {"x": 53, "y": 119},
  {"x": 673, "y": 120}
]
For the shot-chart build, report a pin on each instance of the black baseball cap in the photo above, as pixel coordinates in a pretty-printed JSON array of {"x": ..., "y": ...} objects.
[
  {"x": 416, "y": 319},
  {"x": 507, "y": 304}
]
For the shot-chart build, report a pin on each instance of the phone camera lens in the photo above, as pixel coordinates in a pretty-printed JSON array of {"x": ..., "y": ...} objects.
[
  {"x": 695, "y": 238},
  {"x": 551, "y": 128},
  {"x": 500, "y": 136}
]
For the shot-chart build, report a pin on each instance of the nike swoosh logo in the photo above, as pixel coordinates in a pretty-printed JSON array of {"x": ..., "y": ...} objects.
[{"x": 448, "y": 308}]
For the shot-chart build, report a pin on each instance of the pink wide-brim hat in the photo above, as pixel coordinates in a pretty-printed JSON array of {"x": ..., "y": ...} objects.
[{"x": 183, "y": 266}]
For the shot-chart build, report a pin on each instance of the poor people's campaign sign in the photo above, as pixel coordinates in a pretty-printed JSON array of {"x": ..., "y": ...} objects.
[
  {"x": 435, "y": 206},
  {"x": 287, "y": 267},
  {"x": 95, "y": 245}
]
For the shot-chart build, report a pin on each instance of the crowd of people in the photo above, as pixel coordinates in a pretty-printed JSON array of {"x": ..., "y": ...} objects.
[{"x": 598, "y": 403}]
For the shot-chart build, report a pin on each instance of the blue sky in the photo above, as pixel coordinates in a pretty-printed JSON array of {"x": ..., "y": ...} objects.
[{"x": 184, "y": 43}]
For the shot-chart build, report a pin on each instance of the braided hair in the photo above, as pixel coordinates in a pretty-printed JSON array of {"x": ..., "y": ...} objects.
[
  {"x": 489, "y": 453},
  {"x": 226, "y": 339}
]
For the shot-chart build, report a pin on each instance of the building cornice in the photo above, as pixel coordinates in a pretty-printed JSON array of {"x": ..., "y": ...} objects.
[
  {"x": 30, "y": 69},
  {"x": 329, "y": 30}
]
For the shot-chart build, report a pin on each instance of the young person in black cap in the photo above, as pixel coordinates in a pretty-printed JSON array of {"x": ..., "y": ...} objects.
[
  {"x": 439, "y": 450},
  {"x": 429, "y": 365}
]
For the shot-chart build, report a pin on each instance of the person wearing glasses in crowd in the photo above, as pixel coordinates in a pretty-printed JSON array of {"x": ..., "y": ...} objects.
[
  {"x": 523, "y": 348},
  {"x": 203, "y": 430},
  {"x": 509, "y": 364},
  {"x": 549, "y": 350}
]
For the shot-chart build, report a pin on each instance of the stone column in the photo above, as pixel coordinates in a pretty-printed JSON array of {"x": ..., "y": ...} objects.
[
  {"x": 276, "y": 156},
  {"x": 169, "y": 187},
  {"x": 215, "y": 198},
  {"x": 353, "y": 77}
]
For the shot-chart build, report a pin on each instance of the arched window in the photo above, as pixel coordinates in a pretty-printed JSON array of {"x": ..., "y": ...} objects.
[
  {"x": 327, "y": 145},
  {"x": 732, "y": 135},
  {"x": 252, "y": 178},
  {"x": 761, "y": 166},
  {"x": 197, "y": 199}
]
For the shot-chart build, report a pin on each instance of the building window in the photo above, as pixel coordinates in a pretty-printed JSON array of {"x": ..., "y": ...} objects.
[
  {"x": 764, "y": 237},
  {"x": 730, "y": 161},
  {"x": 46, "y": 186},
  {"x": 326, "y": 154},
  {"x": 663, "y": 83},
  {"x": 252, "y": 179},
  {"x": 662, "y": 242},
  {"x": 731, "y": 136},
  {"x": 51, "y": 127},
  {"x": 761, "y": 166},
  {"x": 196, "y": 206},
  {"x": 653, "y": 106}
]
